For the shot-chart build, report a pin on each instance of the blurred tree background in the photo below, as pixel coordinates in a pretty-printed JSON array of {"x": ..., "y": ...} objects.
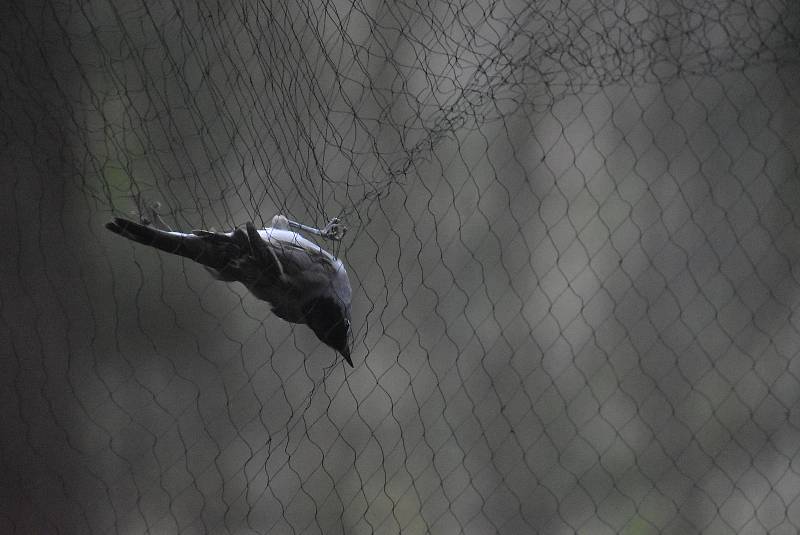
[{"x": 573, "y": 233}]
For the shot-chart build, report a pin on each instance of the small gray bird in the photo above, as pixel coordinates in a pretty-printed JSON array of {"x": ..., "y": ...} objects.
[{"x": 302, "y": 282}]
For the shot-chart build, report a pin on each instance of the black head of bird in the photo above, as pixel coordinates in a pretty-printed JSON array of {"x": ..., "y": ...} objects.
[{"x": 330, "y": 321}]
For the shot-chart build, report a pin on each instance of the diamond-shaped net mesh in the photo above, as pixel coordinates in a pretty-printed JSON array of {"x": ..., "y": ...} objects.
[{"x": 573, "y": 241}]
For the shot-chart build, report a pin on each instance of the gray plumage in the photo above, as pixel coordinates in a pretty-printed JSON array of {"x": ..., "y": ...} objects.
[{"x": 301, "y": 281}]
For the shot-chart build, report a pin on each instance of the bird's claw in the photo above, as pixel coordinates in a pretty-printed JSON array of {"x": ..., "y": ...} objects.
[
  {"x": 334, "y": 230},
  {"x": 148, "y": 213}
]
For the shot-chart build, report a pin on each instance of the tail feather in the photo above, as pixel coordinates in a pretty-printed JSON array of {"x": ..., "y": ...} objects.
[{"x": 212, "y": 250}]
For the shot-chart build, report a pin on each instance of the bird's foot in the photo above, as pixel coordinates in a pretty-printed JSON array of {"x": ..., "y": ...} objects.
[
  {"x": 334, "y": 230},
  {"x": 148, "y": 213}
]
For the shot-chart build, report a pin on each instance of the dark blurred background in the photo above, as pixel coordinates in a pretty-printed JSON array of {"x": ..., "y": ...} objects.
[{"x": 573, "y": 238}]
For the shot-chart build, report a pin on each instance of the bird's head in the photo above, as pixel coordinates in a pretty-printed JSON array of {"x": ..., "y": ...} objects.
[{"x": 330, "y": 321}]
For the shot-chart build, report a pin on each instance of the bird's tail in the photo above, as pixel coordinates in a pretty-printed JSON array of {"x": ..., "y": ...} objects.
[{"x": 213, "y": 250}]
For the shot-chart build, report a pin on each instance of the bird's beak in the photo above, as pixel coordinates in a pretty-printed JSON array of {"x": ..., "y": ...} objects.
[
  {"x": 350, "y": 340},
  {"x": 346, "y": 355}
]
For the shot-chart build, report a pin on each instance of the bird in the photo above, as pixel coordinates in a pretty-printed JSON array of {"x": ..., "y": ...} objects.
[{"x": 302, "y": 282}]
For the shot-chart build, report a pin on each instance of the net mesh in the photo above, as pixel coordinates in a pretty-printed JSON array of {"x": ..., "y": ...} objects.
[{"x": 573, "y": 227}]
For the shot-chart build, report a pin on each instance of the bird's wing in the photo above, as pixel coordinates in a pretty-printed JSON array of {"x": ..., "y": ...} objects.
[
  {"x": 291, "y": 272},
  {"x": 303, "y": 265}
]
